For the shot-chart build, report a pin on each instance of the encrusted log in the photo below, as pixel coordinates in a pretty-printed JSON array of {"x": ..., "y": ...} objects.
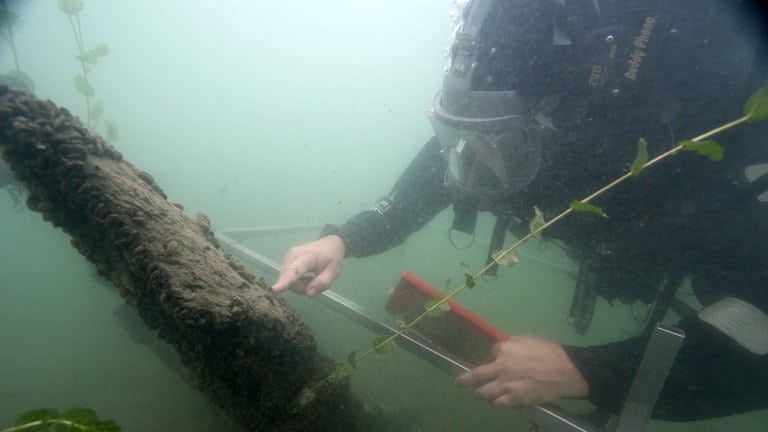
[{"x": 246, "y": 349}]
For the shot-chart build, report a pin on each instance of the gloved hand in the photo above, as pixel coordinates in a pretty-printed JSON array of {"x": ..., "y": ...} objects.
[
  {"x": 527, "y": 370},
  {"x": 322, "y": 258}
]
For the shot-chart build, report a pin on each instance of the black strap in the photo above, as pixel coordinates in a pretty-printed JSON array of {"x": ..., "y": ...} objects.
[
  {"x": 584, "y": 297},
  {"x": 497, "y": 243},
  {"x": 464, "y": 215},
  {"x": 664, "y": 298}
]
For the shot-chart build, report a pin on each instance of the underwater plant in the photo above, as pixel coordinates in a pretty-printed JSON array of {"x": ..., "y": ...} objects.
[
  {"x": 16, "y": 77},
  {"x": 94, "y": 108},
  {"x": 755, "y": 109},
  {"x": 7, "y": 20},
  {"x": 73, "y": 420}
]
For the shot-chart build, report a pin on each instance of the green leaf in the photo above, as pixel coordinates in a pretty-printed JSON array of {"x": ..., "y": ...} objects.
[
  {"x": 83, "y": 86},
  {"x": 537, "y": 222},
  {"x": 75, "y": 419},
  {"x": 92, "y": 56},
  {"x": 434, "y": 309},
  {"x": 756, "y": 107},
  {"x": 352, "y": 360},
  {"x": 32, "y": 416},
  {"x": 99, "y": 50},
  {"x": 469, "y": 280},
  {"x": 382, "y": 345},
  {"x": 707, "y": 148},
  {"x": 112, "y": 132},
  {"x": 97, "y": 109},
  {"x": 305, "y": 398},
  {"x": 107, "y": 426},
  {"x": 23, "y": 77},
  {"x": 70, "y": 427},
  {"x": 338, "y": 374},
  {"x": 641, "y": 158},
  {"x": 401, "y": 320},
  {"x": 87, "y": 58},
  {"x": 27, "y": 427},
  {"x": 587, "y": 207},
  {"x": 506, "y": 257},
  {"x": 70, "y": 7},
  {"x": 83, "y": 416}
]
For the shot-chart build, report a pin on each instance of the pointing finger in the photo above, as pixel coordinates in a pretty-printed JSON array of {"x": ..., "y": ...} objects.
[{"x": 289, "y": 275}]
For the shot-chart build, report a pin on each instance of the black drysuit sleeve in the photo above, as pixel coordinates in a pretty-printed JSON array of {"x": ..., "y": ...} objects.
[
  {"x": 417, "y": 197},
  {"x": 712, "y": 376}
]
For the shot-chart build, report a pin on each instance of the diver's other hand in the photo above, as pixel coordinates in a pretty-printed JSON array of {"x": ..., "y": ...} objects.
[
  {"x": 323, "y": 257},
  {"x": 527, "y": 370}
]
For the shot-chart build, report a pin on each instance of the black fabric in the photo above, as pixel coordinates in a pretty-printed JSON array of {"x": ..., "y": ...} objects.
[
  {"x": 712, "y": 376},
  {"x": 515, "y": 50},
  {"x": 417, "y": 197}
]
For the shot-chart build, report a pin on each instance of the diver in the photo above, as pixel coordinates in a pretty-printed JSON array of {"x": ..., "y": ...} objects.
[{"x": 543, "y": 103}]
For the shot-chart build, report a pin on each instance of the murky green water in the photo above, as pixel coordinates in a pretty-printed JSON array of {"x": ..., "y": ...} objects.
[{"x": 257, "y": 113}]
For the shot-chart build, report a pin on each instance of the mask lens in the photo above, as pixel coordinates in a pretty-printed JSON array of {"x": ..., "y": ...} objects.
[
  {"x": 478, "y": 164},
  {"x": 490, "y": 137},
  {"x": 485, "y": 163}
]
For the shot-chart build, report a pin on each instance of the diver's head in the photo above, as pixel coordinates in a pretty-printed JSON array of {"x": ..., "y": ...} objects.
[{"x": 511, "y": 62}]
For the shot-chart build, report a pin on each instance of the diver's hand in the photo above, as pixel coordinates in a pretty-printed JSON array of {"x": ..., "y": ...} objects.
[
  {"x": 323, "y": 257},
  {"x": 527, "y": 370}
]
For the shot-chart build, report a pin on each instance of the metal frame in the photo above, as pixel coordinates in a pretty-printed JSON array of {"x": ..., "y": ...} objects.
[{"x": 654, "y": 367}]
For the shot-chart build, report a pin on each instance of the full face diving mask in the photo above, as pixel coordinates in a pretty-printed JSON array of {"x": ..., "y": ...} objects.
[
  {"x": 489, "y": 120},
  {"x": 490, "y": 162}
]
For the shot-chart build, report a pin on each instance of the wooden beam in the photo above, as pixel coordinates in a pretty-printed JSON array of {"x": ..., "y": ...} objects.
[{"x": 247, "y": 350}]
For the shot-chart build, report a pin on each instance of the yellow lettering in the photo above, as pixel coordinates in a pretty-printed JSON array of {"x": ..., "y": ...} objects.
[
  {"x": 641, "y": 43},
  {"x": 597, "y": 76}
]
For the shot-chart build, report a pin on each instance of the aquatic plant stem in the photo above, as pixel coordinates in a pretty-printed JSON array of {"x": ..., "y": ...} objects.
[
  {"x": 699, "y": 138},
  {"x": 46, "y": 423},
  {"x": 611, "y": 185},
  {"x": 78, "y": 32},
  {"x": 13, "y": 49}
]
